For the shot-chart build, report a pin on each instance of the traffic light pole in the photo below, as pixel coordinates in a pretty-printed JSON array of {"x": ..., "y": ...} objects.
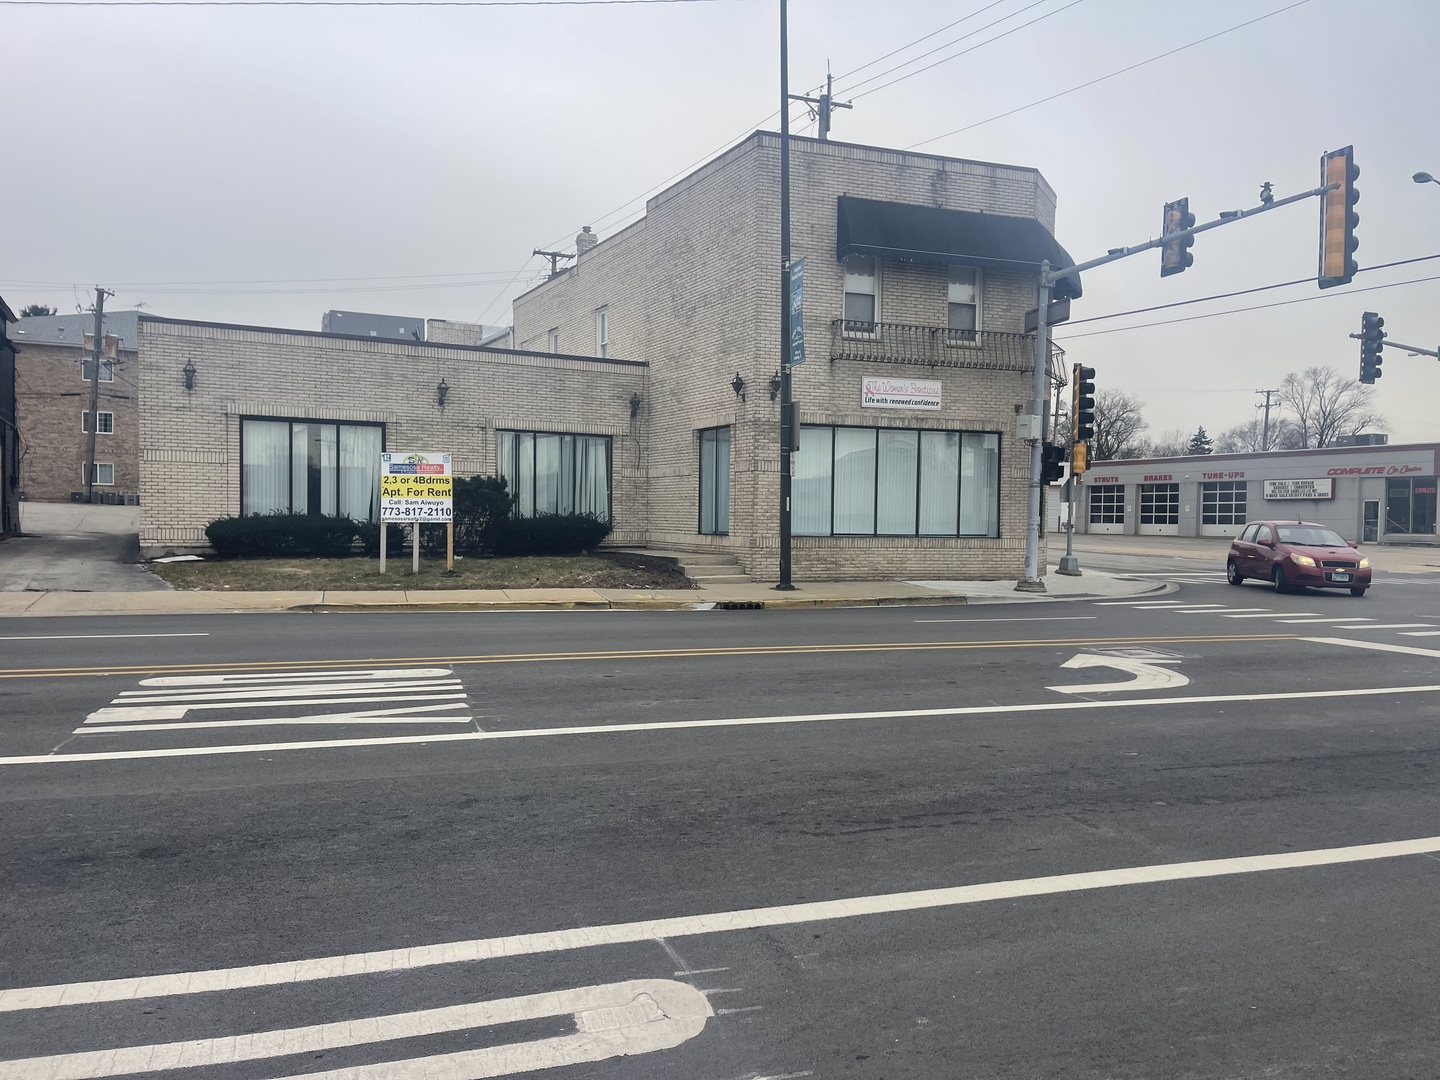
[{"x": 1035, "y": 526}]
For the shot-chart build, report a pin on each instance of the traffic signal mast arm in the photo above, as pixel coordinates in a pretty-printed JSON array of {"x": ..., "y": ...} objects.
[
  {"x": 1226, "y": 218},
  {"x": 1414, "y": 350}
]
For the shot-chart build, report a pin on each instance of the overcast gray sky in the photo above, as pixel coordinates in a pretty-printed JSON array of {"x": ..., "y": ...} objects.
[{"x": 154, "y": 148}]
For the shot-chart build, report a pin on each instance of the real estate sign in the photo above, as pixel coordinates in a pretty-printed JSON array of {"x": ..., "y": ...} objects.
[{"x": 416, "y": 488}]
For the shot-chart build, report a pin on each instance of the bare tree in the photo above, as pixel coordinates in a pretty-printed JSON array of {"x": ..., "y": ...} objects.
[
  {"x": 1119, "y": 420},
  {"x": 1172, "y": 443},
  {"x": 1327, "y": 405}
]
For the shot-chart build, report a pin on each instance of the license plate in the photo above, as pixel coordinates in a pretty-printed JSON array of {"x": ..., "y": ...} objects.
[{"x": 1339, "y": 577}]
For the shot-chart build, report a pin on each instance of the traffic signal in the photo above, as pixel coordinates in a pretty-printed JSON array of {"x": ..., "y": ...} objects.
[
  {"x": 1079, "y": 458},
  {"x": 1338, "y": 218},
  {"x": 1082, "y": 402},
  {"x": 1372, "y": 340},
  {"x": 1175, "y": 256},
  {"x": 1052, "y": 463}
]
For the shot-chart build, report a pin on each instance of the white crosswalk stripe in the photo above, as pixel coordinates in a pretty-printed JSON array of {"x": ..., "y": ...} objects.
[
  {"x": 428, "y": 697},
  {"x": 1292, "y": 618}
]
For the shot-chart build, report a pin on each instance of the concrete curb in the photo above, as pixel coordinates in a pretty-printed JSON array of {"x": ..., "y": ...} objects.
[{"x": 767, "y": 604}]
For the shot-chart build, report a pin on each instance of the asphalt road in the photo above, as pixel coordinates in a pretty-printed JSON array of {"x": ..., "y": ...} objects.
[{"x": 869, "y": 843}]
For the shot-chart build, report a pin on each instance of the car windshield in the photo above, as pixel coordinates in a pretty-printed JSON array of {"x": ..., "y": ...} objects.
[{"x": 1309, "y": 536}]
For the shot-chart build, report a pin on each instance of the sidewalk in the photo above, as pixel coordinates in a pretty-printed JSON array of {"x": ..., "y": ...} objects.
[
  {"x": 1092, "y": 584},
  {"x": 1389, "y": 558}
]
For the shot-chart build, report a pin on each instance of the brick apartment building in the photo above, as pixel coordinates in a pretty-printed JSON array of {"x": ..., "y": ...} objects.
[
  {"x": 640, "y": 385},
  {"x": 52, "y": 369},
  {"x": 9, "y": 433}
]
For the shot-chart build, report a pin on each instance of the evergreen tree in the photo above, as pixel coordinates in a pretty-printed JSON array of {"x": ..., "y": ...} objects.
[{"x": 1200, "y": 443}]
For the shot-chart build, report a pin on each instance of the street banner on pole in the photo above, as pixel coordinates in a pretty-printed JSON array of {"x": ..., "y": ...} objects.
[{"x": 797, "y": 312}]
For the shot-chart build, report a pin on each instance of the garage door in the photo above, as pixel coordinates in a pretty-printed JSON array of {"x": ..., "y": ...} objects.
[
  {"x": 1222, "y": 507},
  {"x": 1159, "y": 510},
  {"x": 1107, "y": 509}
]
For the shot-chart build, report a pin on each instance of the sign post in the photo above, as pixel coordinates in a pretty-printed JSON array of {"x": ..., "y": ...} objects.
[{"x": 417, "y": 489}]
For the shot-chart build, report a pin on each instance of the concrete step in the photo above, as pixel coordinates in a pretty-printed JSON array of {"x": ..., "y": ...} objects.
[
  {"x": 697, "y": 558},
  {"x": 719, "y": 579}
]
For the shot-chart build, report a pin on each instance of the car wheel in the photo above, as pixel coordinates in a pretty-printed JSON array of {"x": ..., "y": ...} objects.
[
  {"x": 1281, "y": 585},
  {"x": 1233, "y": 575},
  {"x": 1357, "y": 592}
]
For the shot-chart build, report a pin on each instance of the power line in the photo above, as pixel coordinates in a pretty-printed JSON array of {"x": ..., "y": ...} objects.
[
  {"x": 263, "y": 281},
  {"x": 962, "y": 52},
  {"x": 1242, "y": 292},
  {"x": 346, "y": 3},
  {"x": 1113, "y": 74},
  {"x": 917, "y": 41},
  {"x": 1254, "y": 307}
]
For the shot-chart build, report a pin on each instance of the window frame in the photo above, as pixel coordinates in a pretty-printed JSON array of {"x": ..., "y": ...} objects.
[
  {"x": 848, "y": 327},
  {"x": 100, "y": 429},
  {"x": 290, "y": 452},
  {"x": 919, "y": 484},
  {"x": 602, "y": 334},
  {"x": 973, "y": 340},
  {"x": 107, "y": 369},
  {"x": 1111, "y": 504},
  {"x": 700, "y": 434},
  {"x": 534, "y": 479},
  {"x": 553, "y": 340},
  {"x": 1215, "y": 508},
  {"x": 96, "y": 481}
]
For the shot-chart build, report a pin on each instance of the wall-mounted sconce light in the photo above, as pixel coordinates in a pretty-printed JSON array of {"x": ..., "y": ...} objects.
[
  {"x": 775, "y": 382},
  {"x": 442, "y": 392},
  {"x": 189, "y": 373},
  {"x": 738, "y": 385},
  {"x": 634, "y": 405}
]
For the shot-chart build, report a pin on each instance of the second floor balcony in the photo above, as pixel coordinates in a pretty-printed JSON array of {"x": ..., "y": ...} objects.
[{"x": 936, "y": 346}]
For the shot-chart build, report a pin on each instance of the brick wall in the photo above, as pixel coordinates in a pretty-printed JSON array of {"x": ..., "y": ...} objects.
[
  {"x": 190, "y": 440},
  {"x": 51, "y": 399},
  {"x": 694, "y": 288}
]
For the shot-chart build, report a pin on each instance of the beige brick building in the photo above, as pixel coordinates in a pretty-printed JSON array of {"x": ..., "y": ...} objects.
[
  {"x": 52, "y": 401},
  {"x": 641, "y": 382},
  {"x": 917, "y": 267}
]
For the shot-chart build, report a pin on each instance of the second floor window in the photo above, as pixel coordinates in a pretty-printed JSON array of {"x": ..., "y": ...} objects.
[
  {"x": 555, "y": 340},
  {"x": 964, "y": 315},
  {"x": 602, "y": 332},
  {"x": 862, "y": 294},
  {"x": 105, "y": 427},
  {"x": 107, "y": 369}
]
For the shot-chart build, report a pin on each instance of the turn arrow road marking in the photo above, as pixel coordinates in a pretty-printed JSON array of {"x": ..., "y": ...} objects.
[{"x": 1146, "y": 674}]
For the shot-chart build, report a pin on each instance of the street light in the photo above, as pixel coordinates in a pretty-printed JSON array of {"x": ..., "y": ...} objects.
[{"x": 1424, "y": 178}]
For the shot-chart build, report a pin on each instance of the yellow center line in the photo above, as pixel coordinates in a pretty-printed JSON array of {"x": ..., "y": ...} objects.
[{"x": 617, "y": 654}]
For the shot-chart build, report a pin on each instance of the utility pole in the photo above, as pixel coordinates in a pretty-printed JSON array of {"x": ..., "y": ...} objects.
[
  {"x": 787, "y": 409},
  {"x": 95, "y": 352},
  {"x": 1265, "y": 434},
  {"x": 554, "y": 257},
  {"x": 824, "y": 104}
]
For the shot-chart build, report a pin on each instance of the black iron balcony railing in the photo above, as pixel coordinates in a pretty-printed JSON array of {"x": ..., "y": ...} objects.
[{"x": 935, "y": 346}]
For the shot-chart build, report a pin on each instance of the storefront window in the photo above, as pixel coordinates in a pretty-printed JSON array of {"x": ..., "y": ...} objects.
[
  {"x": 852, "y": 481},
  {"x": 556, "y": 474},
  {"x": 310, "y": 467},
  {"x": 1410, "y": 505}
]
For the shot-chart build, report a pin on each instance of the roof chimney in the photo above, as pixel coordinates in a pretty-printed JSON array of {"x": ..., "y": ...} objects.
[{"x": 584, "y": 241}]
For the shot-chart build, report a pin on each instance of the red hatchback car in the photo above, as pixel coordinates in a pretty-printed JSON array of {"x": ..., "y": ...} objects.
[{"x": 1297, "y": 554}]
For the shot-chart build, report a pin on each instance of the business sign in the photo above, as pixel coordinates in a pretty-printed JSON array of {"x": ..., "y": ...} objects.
[
  {"x": 416, "y": 487},
  {"x": 882, "y": 393},
  {"x": 1300, "y": 489},
  {"x": 797, "y": 312}
]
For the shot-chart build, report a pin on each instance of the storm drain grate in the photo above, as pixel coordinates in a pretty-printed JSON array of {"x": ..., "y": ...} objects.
[{"x": 740, "y": 605}]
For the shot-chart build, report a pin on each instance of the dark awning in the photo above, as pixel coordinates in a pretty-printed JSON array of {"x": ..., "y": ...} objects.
[{"x": 927, "y": 234}]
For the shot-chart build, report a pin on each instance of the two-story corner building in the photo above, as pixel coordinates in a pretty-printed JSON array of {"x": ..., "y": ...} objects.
[
  {"x": 9, "y": 433},
  {"x": 919, "y": 271},
  {"x": 52, "y": 367}
]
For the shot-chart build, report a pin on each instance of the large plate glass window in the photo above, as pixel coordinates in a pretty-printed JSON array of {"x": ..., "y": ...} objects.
[
  {"x": 310, "y": 467},
  {"x": 715, "y": 480},
  {"x": 556, "y": 474},
  {"x": 862, "y": 295},
  {"x": 964, "y": 308},
  {"x": 854, "y": 481},
  {"x": 1410, "y": 505}
]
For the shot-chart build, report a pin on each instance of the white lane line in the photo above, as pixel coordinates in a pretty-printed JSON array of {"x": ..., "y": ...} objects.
[
  {"x": 1138, "y": 603},
  {"x": 240, "y": 680},
  {"x": 1422, "y": 633},
  {"x": 746, "y": 721},
  {"x": 1199, "y": 607},
  {"x": 1378, "y": 646},
  {"x": 291, "y": 972},
  {"x": 1325, "y": 620},
  {"x": 1393, "y": 626},
  {"x": 146, "y": 714},
  {"x": 635, "y": 1017},
  {"x": 1043, "y": 618},
  {"x": 89, "y": 637},
  {"x": 1267, "y": 615},
  {"x": 1226, "y": 612},
  {"x": 262, "y": 693},
  {"x": 291, "y": 721},
  {"x": 176, "y": 712}
]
